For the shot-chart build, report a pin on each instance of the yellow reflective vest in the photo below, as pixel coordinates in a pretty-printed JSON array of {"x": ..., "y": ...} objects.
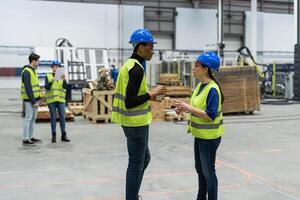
[
  {"x": 199, "y": 127},
  {"x": 57, "y": 93},
  {"x": 35, "y": 84},
  {"x": 133, "y": 117}
]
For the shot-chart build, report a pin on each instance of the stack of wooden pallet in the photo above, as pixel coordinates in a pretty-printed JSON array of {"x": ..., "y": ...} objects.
[
  {"x": 164, "y": 110},
  {"x": 44, "y": 114},
  {"x": 240, "y": 86},
  {"x": 169, "y": 79},
  {"x": 178, "y": 91},
  {"x": 97, "y": 105},
  {"x": 76, "y": 108}
]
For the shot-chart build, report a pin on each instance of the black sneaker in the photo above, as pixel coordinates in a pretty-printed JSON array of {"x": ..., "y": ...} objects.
[
  {"x": 36, "y": 140},
  {"x": 28, "y": 142}
]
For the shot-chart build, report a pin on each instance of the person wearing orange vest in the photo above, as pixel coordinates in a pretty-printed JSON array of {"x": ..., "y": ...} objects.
[
  {"x": 31, "y": 95},
  {"x": 205, "y": 123},
  {"x": 132, "y": 109}
]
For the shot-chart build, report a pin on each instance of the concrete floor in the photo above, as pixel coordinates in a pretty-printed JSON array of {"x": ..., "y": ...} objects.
[{"x": 258, "y": 159}]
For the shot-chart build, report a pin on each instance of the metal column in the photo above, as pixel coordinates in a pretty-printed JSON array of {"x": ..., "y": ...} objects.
[
  {"x": 220, "y": 30},
  {"x": 297, "y": 53}
]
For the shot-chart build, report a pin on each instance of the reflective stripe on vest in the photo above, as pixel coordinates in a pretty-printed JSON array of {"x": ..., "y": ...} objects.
[
  {"x": 131, "y": 113},
  {"x": 57, "y": 93},
  {"x": 35, "y": 84},
  {"x": 133, "y": 117},
  {"x": 205, "y": 126},
  {"x": 199, "y": 127}
]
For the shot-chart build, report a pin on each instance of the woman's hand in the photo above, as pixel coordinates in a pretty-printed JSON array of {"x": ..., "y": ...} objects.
[{"x": 182, "y": 107}]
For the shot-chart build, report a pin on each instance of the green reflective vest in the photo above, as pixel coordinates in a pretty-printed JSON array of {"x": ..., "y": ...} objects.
[
  {"x": 133, "y": 117},
  {"x": 199, "y": 127},
  {"x": 57, "y": 93},
  {"x": 35, "y": 84}
]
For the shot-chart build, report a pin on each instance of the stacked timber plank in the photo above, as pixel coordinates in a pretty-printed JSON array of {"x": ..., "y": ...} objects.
[
  {"x": 97, "y": 105},
  {"x": 240, "y": 86}
]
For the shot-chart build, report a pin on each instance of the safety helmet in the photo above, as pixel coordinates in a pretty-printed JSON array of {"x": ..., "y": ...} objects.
[
  {"x": 141, "y": 36},
  {"x": 56, "y": 62},
  {"x": 210, "y": 59}
]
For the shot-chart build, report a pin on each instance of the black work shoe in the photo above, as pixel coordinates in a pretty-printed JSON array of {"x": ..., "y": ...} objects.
[
  {"x": 64, "y": 137},
  {"x": 28, "y": 142},
  {"x": 36, "y": 140},
  {"x": 53, "y": 139}
]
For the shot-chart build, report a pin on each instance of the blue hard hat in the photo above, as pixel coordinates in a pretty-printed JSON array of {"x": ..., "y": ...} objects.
[
  {"x": 210, "y": 59},
  {"x": 55, "y": 62},
  {"x": 141, "y": 35}
]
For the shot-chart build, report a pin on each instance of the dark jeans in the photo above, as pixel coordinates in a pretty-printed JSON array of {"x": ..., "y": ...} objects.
[
  {"x": 61, "y": 112},
  {"x": 205, "y": 159},
  {"x": 139, "y": 158}
]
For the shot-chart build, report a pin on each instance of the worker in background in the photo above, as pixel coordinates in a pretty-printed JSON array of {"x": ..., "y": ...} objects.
[
  {"x": 205, "y": 123},
  {"x": 31, "y": 95},
  {"x": 132, "y": 109},
  {"x": 56, "y": 99},
  {"x": 114, "y": 73}
]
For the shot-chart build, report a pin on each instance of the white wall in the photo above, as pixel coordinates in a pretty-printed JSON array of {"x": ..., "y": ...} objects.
[
  {"x": 41, "y": 23},
  {"x": 275, "y": 32},
  {"x": 275, "y": 37},
  {"x": 84, "y": 25},
  {"x": 195, "y": 28}
]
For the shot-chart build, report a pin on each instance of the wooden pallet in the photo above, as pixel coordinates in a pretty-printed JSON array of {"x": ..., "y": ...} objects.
[
  {"x": 97, "y": 105},
  {"x": 76, "y": 108},
  {"x": 97, "y": 120},
  {"x": 44, "y": 115}
]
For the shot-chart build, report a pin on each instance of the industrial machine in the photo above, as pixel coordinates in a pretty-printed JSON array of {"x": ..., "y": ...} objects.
[{"x": 276, "y": 80}]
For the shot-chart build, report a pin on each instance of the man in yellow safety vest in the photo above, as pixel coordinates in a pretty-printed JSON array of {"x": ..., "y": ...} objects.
[
  {"x": 132, "y": 109},
  {"x": 31, "y": 95}
]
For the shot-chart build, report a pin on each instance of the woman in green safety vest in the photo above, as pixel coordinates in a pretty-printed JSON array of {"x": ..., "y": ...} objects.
[
  {"x": 205, "y": 123},
  {"x": 56, "y": 99},
  {"x": 132, "y": 109}
]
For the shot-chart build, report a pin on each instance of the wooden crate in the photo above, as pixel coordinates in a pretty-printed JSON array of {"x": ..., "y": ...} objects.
[
  {"x": 240, "y": 86},
  {"x": 97, "y": 105},
  {"x": 44, "y": 114}
]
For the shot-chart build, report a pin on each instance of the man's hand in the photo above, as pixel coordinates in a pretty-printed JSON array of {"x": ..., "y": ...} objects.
[
  {"x": 63, "y": 77},
  {"x": 159, "y": 90}
]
